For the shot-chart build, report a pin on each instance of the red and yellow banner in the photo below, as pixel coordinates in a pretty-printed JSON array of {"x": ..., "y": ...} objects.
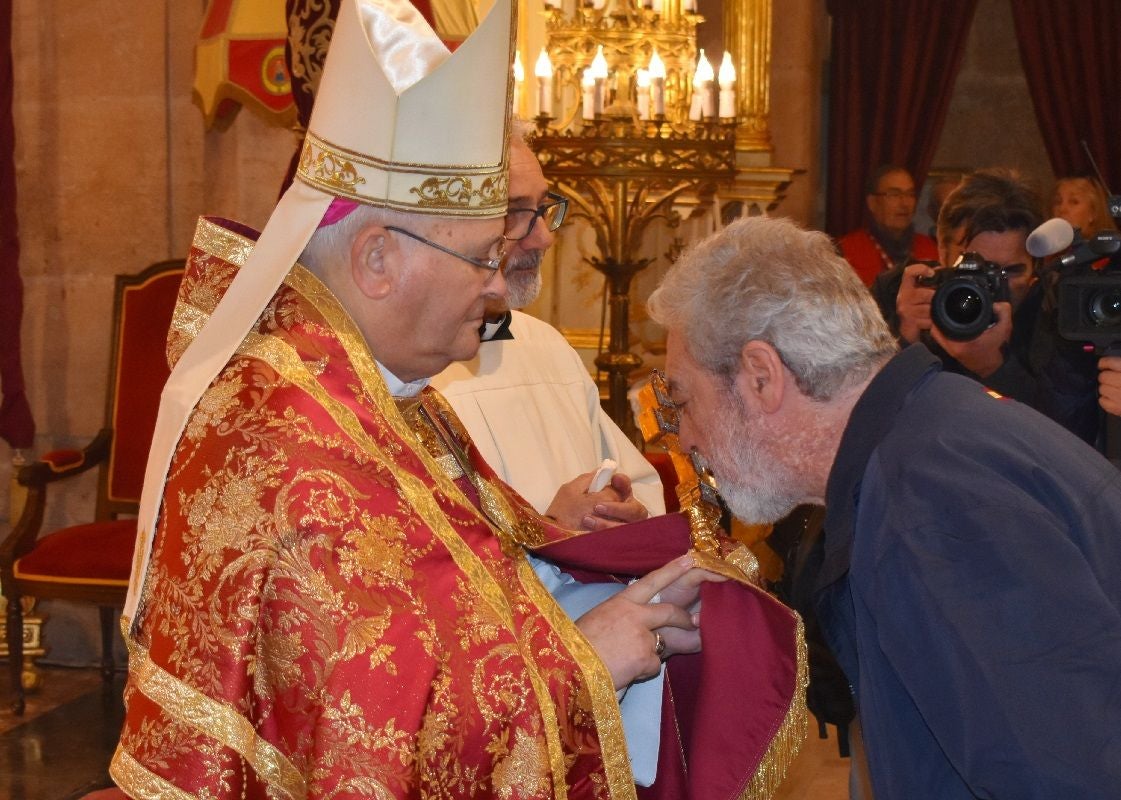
[{"x": 239, "y": 61}]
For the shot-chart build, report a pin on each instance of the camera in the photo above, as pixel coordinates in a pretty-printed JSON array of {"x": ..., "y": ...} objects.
[
  {"x": 1089, "y": 296},
  {"x": 962, "y": 307}
]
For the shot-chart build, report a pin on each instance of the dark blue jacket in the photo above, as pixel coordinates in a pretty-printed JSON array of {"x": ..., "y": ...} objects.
[{"x": 971, "y": 590}]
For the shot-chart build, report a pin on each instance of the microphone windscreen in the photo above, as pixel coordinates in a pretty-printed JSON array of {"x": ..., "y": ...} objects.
[{"x": 1051, "y": 237}]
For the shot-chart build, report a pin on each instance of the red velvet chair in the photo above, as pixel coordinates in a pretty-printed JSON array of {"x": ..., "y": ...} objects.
[{"x": 91, "y": 562}]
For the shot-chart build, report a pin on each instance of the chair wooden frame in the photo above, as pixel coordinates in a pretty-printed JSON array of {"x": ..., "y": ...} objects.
[{"x": 55, "y": 467}]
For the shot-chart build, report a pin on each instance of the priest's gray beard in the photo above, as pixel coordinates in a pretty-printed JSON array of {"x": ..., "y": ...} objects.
[
  {"x": 756, "y": 483},
  {"x": 523, "y": 278}
]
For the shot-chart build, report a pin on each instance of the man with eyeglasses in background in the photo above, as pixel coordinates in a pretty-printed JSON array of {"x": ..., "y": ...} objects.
[
  {"x": 889, "y": 240},
  {"x": 527, "y": 399}
]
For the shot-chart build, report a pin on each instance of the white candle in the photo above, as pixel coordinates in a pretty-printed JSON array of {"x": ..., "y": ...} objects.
[
  {"x": 598, "y": 5},
  {"x": 588, "y": 94},
  {"x": 690, "y": 6},
  {"x": 657, "y": 85},
  {"x": 519, "y": 82},
  {"x": 553, "y": 3},
  {"x": 642, "y": 84},
  {"x": 727, "y": 87},
  {"x": 598, "y": 72},
  {"x": 544, "y": 72},
  {"x": 656, "y": 6},
  {"x": 702, "y": 87}
]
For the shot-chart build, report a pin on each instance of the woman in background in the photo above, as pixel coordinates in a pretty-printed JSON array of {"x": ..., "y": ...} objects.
[{"x": 1081, "y": 201}]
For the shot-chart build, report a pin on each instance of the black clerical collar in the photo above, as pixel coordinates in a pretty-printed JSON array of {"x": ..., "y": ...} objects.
[{"x": 497, "y": 330}]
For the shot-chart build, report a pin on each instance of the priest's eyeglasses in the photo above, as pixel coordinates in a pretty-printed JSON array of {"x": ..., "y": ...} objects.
[
  {"x": 520, "y": 221},
  {"x": 493, "y": 258}
]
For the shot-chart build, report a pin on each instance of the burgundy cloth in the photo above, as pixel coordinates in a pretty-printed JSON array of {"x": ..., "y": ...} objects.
[
  {"x": 17, "y": 426},
  {"x": 1071, "y": 54},
  {"x": 99, "y": 550},
  {"x": 894, "y": 63},
  {"x": 668, "y": 476},
  {"x": 725, "y": 704},
  {"x": 141, "y": 373}
]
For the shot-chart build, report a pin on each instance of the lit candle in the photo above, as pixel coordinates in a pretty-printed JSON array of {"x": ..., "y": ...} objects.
[
  {"x": 727, "y": 87},
  {"x": 657, "y": 85},
  {"x": 544, "y": 72},
  {"x": 704, "y": 98},
  {"x": 599, "y": 73},
  {"x": 588, "y": 89},
  {"x": 519, "y": 82},
  {"x": 690, "y": 6},
  {"x": 642, "y": 82}
]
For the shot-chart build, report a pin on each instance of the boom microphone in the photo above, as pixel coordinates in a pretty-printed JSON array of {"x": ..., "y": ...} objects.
[{"x": 1053, "y": 236}]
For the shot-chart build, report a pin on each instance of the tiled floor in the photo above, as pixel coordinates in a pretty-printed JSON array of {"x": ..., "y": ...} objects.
[{"x": 60, "y": 748}]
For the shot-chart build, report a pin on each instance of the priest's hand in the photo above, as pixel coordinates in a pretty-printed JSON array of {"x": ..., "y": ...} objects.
[
  {"x": 575, "y": 508},
  {"x": 626, "y": 630}
]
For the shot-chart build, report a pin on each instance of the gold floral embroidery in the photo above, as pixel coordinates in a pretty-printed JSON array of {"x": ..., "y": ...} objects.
[
  {"x": 324, "y": 168},
  {"x": 523, "y": 772},
  {"x": 459, "y": 191}
]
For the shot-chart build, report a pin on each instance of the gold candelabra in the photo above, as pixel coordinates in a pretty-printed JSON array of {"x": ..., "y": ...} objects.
[{"x": 624, "y": 163}]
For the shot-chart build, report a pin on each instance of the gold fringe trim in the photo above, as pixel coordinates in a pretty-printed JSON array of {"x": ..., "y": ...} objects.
[{"x": 787, "y": 742}]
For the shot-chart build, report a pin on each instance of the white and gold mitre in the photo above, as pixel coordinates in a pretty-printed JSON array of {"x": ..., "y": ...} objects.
[
  {"x": 401, "y": 122},
  {"x": 398, "y": 122}
]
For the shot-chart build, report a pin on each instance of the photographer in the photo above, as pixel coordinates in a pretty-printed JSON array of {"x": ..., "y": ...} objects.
[{"x": 1020, "y": 355}]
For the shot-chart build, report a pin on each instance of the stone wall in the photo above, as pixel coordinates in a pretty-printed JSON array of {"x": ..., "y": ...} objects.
[{"x": 113, "y": 167}]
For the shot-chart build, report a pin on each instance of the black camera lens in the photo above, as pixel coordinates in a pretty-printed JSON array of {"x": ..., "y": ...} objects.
[
  {"x": 1105, "y": 308},
  {"x": 961, "y": 308},
  {"x": 963, "y": 305}
]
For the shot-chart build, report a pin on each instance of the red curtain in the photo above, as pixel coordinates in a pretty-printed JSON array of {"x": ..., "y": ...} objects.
[
  {"x": 1071, "y": 54},
  {"x": 893, "y": 68},
  {"x": 16, "y": 425}
]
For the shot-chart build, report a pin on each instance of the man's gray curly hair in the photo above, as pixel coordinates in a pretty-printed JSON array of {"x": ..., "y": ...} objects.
[{"x": 769, "y": 280}]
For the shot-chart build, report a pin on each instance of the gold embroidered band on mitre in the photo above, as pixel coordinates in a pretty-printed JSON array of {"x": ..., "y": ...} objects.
[{"x": 471, "y": 191}]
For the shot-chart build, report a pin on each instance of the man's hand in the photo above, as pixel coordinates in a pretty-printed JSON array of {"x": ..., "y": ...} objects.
[
  {"x": 984, "y": 355},
  {"x": 574, "y": 508},
  {"x": 622, "y": 629},
  {"x": 1109, "y": 384},
  {"x": 913, "y": 302}
]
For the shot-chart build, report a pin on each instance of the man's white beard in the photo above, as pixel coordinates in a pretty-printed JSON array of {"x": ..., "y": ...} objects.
[
  {"x": 757, "y": 485},
  {"x": 523, "y": 279}
]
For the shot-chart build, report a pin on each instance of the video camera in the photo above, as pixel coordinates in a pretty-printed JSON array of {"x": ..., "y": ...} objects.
[
  {"x": 962, "y": 306},
  {"x": 1089, "y": 292}
]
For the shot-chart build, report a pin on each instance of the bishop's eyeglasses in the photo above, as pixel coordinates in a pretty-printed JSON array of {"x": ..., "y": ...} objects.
[
  {"x": 520, "y": 221},
  {"x": 492, "y": 261}
]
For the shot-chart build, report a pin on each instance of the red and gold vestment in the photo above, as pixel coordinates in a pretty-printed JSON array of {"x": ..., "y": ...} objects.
[{"x": 338, "y": 602}]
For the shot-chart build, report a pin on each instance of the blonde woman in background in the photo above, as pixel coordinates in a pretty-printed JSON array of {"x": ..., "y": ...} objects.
[{"x": 1081, "y": 201}]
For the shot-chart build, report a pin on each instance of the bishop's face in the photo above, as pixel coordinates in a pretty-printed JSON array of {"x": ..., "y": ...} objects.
[
  {"x": 741, "y": 445},
  {"x": 440, "y": 299}
]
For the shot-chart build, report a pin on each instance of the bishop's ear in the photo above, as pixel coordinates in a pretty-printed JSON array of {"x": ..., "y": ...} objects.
[
  {"x": 372, "y": 258},
  {"x": 761, "y": 380}
]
